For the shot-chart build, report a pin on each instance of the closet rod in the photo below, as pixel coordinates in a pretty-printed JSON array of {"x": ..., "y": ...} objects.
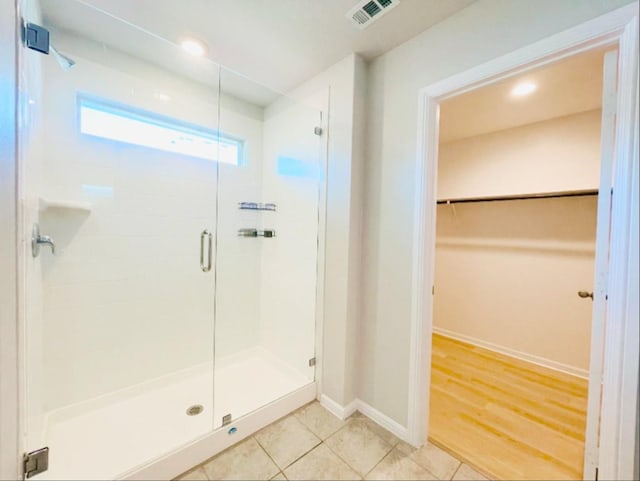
[{"x": 551, "y": 195}]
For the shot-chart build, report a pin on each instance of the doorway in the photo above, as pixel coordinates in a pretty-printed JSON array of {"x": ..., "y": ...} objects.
[
  {"x": 604, "y": 448},
  {"x": 518, "y": 177}
]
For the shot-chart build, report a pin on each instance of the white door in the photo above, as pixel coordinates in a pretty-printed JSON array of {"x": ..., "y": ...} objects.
[{"x": 609, "y": 96}]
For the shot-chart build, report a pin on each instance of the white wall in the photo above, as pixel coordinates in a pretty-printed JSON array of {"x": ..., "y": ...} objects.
[
  {"x": 507, "y": 273},
  {"x": 125, "y": 299},
  {"x": 507, "y": 276},
  {"x": 345, "y": 158},
  {"x": 557, "y": 155},
  {"x": 484, "y": 30},
  {"x": 9, "y": 344},
  {"x": 238, "y": 261},
  {"x": 126, "y": 288}
]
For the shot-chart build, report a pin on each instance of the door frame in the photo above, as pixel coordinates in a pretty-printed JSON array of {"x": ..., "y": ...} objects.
[{"x": 620, "y": 388}]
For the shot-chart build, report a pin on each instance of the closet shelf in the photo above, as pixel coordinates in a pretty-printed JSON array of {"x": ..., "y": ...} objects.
[
  {"x": 64, "y": 204},
  {"x": 546, "y": 195}
]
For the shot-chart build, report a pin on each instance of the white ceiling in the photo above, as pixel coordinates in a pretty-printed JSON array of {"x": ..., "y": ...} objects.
[
  {"x": 279, "y": 43},
  {"x": 566, "y": 87},
  {"x": 77, "y": 19}
]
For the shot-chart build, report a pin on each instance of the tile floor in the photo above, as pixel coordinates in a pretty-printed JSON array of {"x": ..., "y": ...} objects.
[{"x": 312, "y": 444}]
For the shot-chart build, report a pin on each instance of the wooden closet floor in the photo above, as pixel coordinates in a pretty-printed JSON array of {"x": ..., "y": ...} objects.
[{"x": 508, "y": 418}]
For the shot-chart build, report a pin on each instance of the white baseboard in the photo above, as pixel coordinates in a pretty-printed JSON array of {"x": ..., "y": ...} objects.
[
  {"x": 523, "y": 356},
  {"x": 343, "y": 412},
  {"x": 383, "y": 420},
  {"x": 339, "y": 411}
]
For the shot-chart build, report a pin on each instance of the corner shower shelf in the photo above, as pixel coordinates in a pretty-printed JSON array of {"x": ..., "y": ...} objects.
[{"x": 64, "y": 204}]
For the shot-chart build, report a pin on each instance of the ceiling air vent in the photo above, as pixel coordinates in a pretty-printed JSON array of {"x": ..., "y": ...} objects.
[{"x": 368, "y": 11}]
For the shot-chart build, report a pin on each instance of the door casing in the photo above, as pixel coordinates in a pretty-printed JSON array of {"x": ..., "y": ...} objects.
[{"x": 621, "y": 378}]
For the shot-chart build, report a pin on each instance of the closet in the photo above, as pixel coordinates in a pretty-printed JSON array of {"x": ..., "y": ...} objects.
[{"x": 518, "y": 177}]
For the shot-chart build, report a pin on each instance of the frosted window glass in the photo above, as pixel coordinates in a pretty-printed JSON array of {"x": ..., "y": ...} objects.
[{"x": 148, "y": 130}]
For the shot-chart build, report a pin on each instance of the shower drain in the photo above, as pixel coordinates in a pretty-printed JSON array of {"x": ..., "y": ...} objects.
[{"x": 195, "y": 409}]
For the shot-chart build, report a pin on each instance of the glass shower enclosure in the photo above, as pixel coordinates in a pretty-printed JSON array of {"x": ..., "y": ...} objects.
[{"x": 170, "y": 213}]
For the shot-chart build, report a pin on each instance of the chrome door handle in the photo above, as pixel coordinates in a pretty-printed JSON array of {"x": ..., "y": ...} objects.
[
  {"x": 37, "y": 240},
  {"x": 209, "y": 236},
  {"x": 585, "y": 294}
]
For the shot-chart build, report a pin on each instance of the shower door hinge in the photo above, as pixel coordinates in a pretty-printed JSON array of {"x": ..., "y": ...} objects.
[
  {"x": 36, "y": 38},
  {"x": 226, "y": 419},
  {"x": 312, "y": 362},
  {"x": 317, "y": 130},
  {"x": 35, "y": 462}
]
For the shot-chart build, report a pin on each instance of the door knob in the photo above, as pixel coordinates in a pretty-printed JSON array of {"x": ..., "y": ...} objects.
[{"x": 585, "y": 294}]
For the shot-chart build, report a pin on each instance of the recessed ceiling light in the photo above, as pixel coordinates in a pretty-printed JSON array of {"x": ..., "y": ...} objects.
[
  {"x": 162, "y": 96},
  {"x": 523, "y": 88},
  {"x": 194, "y": 47}
]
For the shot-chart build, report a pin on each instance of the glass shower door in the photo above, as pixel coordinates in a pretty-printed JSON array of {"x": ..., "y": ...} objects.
[
  {"x": 120, "y": 152},
  {"x": 268, "y": 213}
]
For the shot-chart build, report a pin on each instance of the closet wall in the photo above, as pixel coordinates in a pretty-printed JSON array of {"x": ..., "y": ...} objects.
[
  {"x": 560, "y": 154},
  {"x": 508, "y": 272}
]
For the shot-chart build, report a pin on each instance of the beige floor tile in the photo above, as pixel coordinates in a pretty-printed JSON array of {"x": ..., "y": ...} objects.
[
  {"x": 375, "y": 427},
  {"x": 287, "y": 440},
  {"x": 433, "y": 459},
  {"x": 320, "y": 421},
  {"x": 467, "y": 473},
  {"x": 359, "y": 445},
  {"x": 398, "y": 465},
  {"x": 246, "y": 460},
  {"x": 320, "y": 464},
  {"x": 197, "y": 474},
  {"x": 279, "y": 477}
]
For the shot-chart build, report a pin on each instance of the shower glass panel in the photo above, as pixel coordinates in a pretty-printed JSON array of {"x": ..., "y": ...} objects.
[
  {"x": 120, "y": 155},
  {"x": 267, "y": 244}
]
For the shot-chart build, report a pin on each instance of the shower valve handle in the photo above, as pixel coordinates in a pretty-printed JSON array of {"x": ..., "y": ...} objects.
[
  {"x": 37, "y": 240},
  {"x": 46, "y": 240}
]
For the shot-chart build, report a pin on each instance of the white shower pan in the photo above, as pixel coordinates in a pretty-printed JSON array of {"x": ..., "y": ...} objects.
[{"x": 94, "y": 439}]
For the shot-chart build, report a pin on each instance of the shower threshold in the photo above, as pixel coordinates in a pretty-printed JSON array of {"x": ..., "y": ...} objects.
[{"x": 115, "y": 434}]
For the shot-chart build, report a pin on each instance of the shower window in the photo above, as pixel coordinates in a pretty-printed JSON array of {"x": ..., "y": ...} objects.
[{"x": 127, "y": 124}]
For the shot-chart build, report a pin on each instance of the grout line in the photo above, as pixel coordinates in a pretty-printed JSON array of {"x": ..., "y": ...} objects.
[
  {"x": 331, "y": 449},
  {"x": 268, "y": 455},
  {"x": 189, "y": 471},
  {"x": 303, "y": 455},
  {"x": 377, "y": 464},
  {"x": 342, "y": 459},
  {"x": 296, "y": 459},
  {"x": 456, "y": 471},
  {"x": 347, "y": 462},
  {"x": 206, "y": 475},
  {"x": 304, "y": 423},
  {"x": 312, "y": 433}
]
